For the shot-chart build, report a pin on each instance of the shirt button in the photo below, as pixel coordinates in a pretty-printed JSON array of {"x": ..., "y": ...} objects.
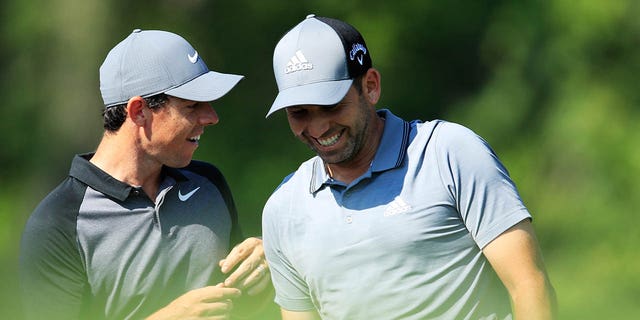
[{"x": 349, "y": 219}]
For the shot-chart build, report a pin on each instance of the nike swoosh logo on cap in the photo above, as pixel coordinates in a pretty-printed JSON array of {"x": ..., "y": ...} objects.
[
  {"x": 193, "y": 58},
  {"x": 185, "y": 197}
]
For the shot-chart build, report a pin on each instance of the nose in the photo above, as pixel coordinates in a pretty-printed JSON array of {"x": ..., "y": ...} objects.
[
  {"x": 208, "y": 116},
  {"x": 317, "y": 126}
]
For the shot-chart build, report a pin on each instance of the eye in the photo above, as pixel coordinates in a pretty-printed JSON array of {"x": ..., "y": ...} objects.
[
  {"x": 332, "y": 108},
  {"x": 192, "y": 106},
  {"x": 296, "y": 112}
]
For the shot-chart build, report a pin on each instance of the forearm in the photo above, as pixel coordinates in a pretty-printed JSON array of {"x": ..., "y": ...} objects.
[
  {"x": 534, "y": 299},
  {"x": 516, "y": 258}
]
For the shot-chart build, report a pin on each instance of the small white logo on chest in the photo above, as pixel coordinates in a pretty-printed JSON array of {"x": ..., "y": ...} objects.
[
  {"x": 397, "y": 206},
  {"x": 185, "y": 197}
]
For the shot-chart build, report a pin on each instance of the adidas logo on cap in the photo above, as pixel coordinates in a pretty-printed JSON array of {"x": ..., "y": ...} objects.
[{"x": 297, "y": 63}]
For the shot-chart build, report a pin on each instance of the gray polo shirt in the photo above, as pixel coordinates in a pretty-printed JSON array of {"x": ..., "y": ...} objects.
[
  {"x": 98, "y": 248},
  {"x": 404, "y": 240}
]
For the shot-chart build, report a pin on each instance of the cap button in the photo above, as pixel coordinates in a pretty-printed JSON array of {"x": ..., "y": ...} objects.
[
  {"x": 310, "y": 16},
  {"x": 136, "y": 30}
]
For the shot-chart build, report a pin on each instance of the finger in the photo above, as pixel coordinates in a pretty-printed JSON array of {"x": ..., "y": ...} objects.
[
  {"x": 241, "y": 252},
  {"x": 218, "y": 317},
  {"x": 215, "y": 293},
  {"x": 237, "y": 254},
  {"x": 261, "y": 272},
  {"x": 262, "y": 285},
  {"x": 242, "y": 271},
  {"x": 218, "y": 308},
  {"x": 246, "y": 267}
]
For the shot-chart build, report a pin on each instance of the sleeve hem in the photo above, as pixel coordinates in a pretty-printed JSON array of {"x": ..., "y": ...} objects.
[{"x": 505, "y": 224}]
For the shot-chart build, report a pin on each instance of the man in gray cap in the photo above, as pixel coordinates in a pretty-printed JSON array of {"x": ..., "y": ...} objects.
[
  {"x": 138, "y": 229},
  {"x": 392, "y": 219}
]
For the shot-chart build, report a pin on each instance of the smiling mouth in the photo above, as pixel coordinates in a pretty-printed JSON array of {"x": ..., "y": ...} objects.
[
  {"x": 194, "y": 139},
  {"x": 331, "y": 140}
]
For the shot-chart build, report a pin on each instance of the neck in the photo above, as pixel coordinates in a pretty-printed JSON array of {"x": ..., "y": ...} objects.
[
  {"x": 121, "y": 159},
  {"x": 348, "y": 174}
]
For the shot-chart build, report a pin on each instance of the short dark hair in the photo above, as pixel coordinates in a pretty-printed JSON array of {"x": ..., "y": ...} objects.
[
  {"x": 156, "y": 101},
  {"x": 357, "y": 83},
  {"x": 114, "y": 116}
]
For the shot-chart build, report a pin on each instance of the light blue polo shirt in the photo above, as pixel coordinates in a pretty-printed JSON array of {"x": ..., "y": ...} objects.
[{"x": 404, "y": 240}]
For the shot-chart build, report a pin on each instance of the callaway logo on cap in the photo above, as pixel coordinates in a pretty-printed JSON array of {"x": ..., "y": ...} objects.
[
  {"x": 316, "y": 62},
  {"x": 152, "y": 62}
]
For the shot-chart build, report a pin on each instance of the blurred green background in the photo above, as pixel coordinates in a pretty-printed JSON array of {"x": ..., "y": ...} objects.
[{"x": 552, "y": 85}]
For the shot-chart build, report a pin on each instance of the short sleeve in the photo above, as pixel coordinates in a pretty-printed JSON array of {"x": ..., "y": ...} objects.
[
  {"x": 292, "y": 292},
  {"x": 52, "y": 277},
  {"x": 485, "y": 195},
  {"x": 214, "y": 175}
]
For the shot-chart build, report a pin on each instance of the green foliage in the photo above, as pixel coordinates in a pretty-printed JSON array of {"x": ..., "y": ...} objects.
[{"x": 551, "y": 85}]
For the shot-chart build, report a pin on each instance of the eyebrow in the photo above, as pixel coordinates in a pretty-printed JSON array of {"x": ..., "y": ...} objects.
[{"x": 179, "y": 99}]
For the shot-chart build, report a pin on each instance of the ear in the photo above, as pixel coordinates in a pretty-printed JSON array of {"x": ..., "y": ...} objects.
[
  {"x": 371, "y": 87},
  {"x": 135, "y": 110}
]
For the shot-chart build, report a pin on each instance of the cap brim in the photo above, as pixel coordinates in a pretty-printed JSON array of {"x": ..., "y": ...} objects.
[
  {"x": 321, "y": 93},
  {"x": 206, "y": 87}
]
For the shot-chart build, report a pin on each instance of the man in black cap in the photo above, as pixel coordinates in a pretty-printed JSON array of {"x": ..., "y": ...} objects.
[{"x": 392, "y": 219}]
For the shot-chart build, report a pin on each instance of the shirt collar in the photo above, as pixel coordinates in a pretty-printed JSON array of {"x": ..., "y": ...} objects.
[
  {"x": 390, "y": 154},
  {"x": 88, "y": 173}
]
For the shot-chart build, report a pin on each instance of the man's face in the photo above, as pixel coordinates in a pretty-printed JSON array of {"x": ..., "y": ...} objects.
[
  {"x": 174, "y": 130},
  {"x": 336, "y": 133}
]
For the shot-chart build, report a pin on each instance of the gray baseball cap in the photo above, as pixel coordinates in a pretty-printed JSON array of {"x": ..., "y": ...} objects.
[
  {"x": 316, "y": 61},
  {"x": 151, "y": 62}
]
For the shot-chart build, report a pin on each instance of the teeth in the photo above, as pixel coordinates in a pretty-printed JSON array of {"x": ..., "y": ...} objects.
[
  {"x": 195, "y": 139},
  {"x": 330, "y": 141}
]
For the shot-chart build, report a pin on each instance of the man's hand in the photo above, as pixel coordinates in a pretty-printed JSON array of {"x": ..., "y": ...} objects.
[
  {"x": 213, "y": 302},
  {"x": 250, "y": 269}
]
